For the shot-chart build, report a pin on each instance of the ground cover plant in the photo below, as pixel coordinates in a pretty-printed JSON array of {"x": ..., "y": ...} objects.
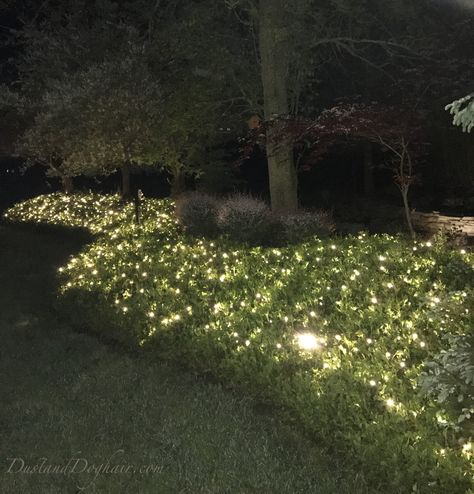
[
  {"x": 336, "y": 332},
  {"x": 65, "y": 394}
]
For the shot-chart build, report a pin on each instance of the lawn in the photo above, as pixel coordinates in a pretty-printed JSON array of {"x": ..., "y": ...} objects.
[
  {"x": 65, "y": 394},
  {"x": 333, "y": 333}
]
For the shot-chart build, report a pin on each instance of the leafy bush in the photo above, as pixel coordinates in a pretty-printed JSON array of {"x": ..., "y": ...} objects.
[
  {"x": 197, "y": 212},
  {"x": 450, "y": 378},
  {"x": 335, "y": 332},
  {"x": 302, "y": 225},
  {"x": 246, "y": 219}
]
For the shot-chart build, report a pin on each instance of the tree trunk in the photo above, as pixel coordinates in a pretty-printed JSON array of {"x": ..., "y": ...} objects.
[
  {"x": 274, "y": 59},
  {"x": 126, "y": 189},
  {"x": 404, "y": 192},
  {"x": 178, "y": 183},
  {"x": 368, "y": 170},
  {"x": 68, "y": 184}
]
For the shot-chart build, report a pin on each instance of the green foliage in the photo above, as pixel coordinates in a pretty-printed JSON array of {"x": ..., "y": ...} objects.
[
  {"x": 200, "y": 435},
  {"x": 336, "y": 332},
  {"x": 463, "y": 112},
  {"x": 450, "y": 378}
]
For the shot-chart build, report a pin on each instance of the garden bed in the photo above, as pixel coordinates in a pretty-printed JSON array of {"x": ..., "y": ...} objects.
[{"x": 336, "y": 332}]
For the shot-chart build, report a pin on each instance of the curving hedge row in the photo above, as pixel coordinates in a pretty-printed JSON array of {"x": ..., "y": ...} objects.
[{"x": 335, "y": 332}]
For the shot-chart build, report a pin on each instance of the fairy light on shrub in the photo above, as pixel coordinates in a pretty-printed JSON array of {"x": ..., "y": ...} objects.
[
  {"x": 390, "y": 402},
  {"x": 308, "y": 341}
]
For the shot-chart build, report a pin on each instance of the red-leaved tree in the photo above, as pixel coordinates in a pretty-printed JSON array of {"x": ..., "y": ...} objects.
[{"x": 396, "y": 130}]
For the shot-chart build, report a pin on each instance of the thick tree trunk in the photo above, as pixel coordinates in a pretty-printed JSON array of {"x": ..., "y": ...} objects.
[
  {"x": 368, "y": 170},
  {"x": 178, "y": 183},
  {"x": 68, "y": 184},
  {"x": 126, "y": 189},
  {"x": 274, "y": 58}
]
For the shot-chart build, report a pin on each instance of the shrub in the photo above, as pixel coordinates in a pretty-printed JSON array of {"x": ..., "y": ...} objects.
[
  {"x": 197, "y": 213},
  {"x": 247, "y": 219},
  {"x": 302, "y": 225},
  {"x": 450, "y": 378},
  {"x": 335, "y": 333}
]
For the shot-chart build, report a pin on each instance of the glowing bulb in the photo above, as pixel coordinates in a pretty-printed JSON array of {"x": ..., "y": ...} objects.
[{"x": 307, "y": 341}]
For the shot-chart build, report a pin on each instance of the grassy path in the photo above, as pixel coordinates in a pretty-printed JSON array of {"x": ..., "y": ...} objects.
[{"x": 65, "y": 395}]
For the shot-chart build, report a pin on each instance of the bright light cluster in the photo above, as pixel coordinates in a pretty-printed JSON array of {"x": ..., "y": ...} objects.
[{"x": 325, "y": 304}]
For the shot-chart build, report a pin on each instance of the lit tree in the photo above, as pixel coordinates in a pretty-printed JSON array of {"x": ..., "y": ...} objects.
[
  {"x": 463, "y": 112},
  {"x": 128, "y": 78},
  {"x": 96, "y": 121}
]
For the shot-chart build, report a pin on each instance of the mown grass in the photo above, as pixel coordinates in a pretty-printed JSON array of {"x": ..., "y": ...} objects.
[{"x": 65, "y": 394}]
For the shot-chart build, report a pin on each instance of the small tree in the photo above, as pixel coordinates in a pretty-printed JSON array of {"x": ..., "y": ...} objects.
[
  {"x": 396, "y": 130},
  {"x": 45, "y": 143},
  {"x": 115, "y": 112}
]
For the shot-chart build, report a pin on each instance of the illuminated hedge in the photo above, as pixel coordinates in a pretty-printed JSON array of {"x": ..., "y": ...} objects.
[{"x": 336, "y": 331}]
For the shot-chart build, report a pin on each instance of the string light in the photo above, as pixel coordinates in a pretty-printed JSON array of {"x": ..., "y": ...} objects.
[
  {"x": 160, "y": 274},
  {"x": 308, "y": 341}
]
